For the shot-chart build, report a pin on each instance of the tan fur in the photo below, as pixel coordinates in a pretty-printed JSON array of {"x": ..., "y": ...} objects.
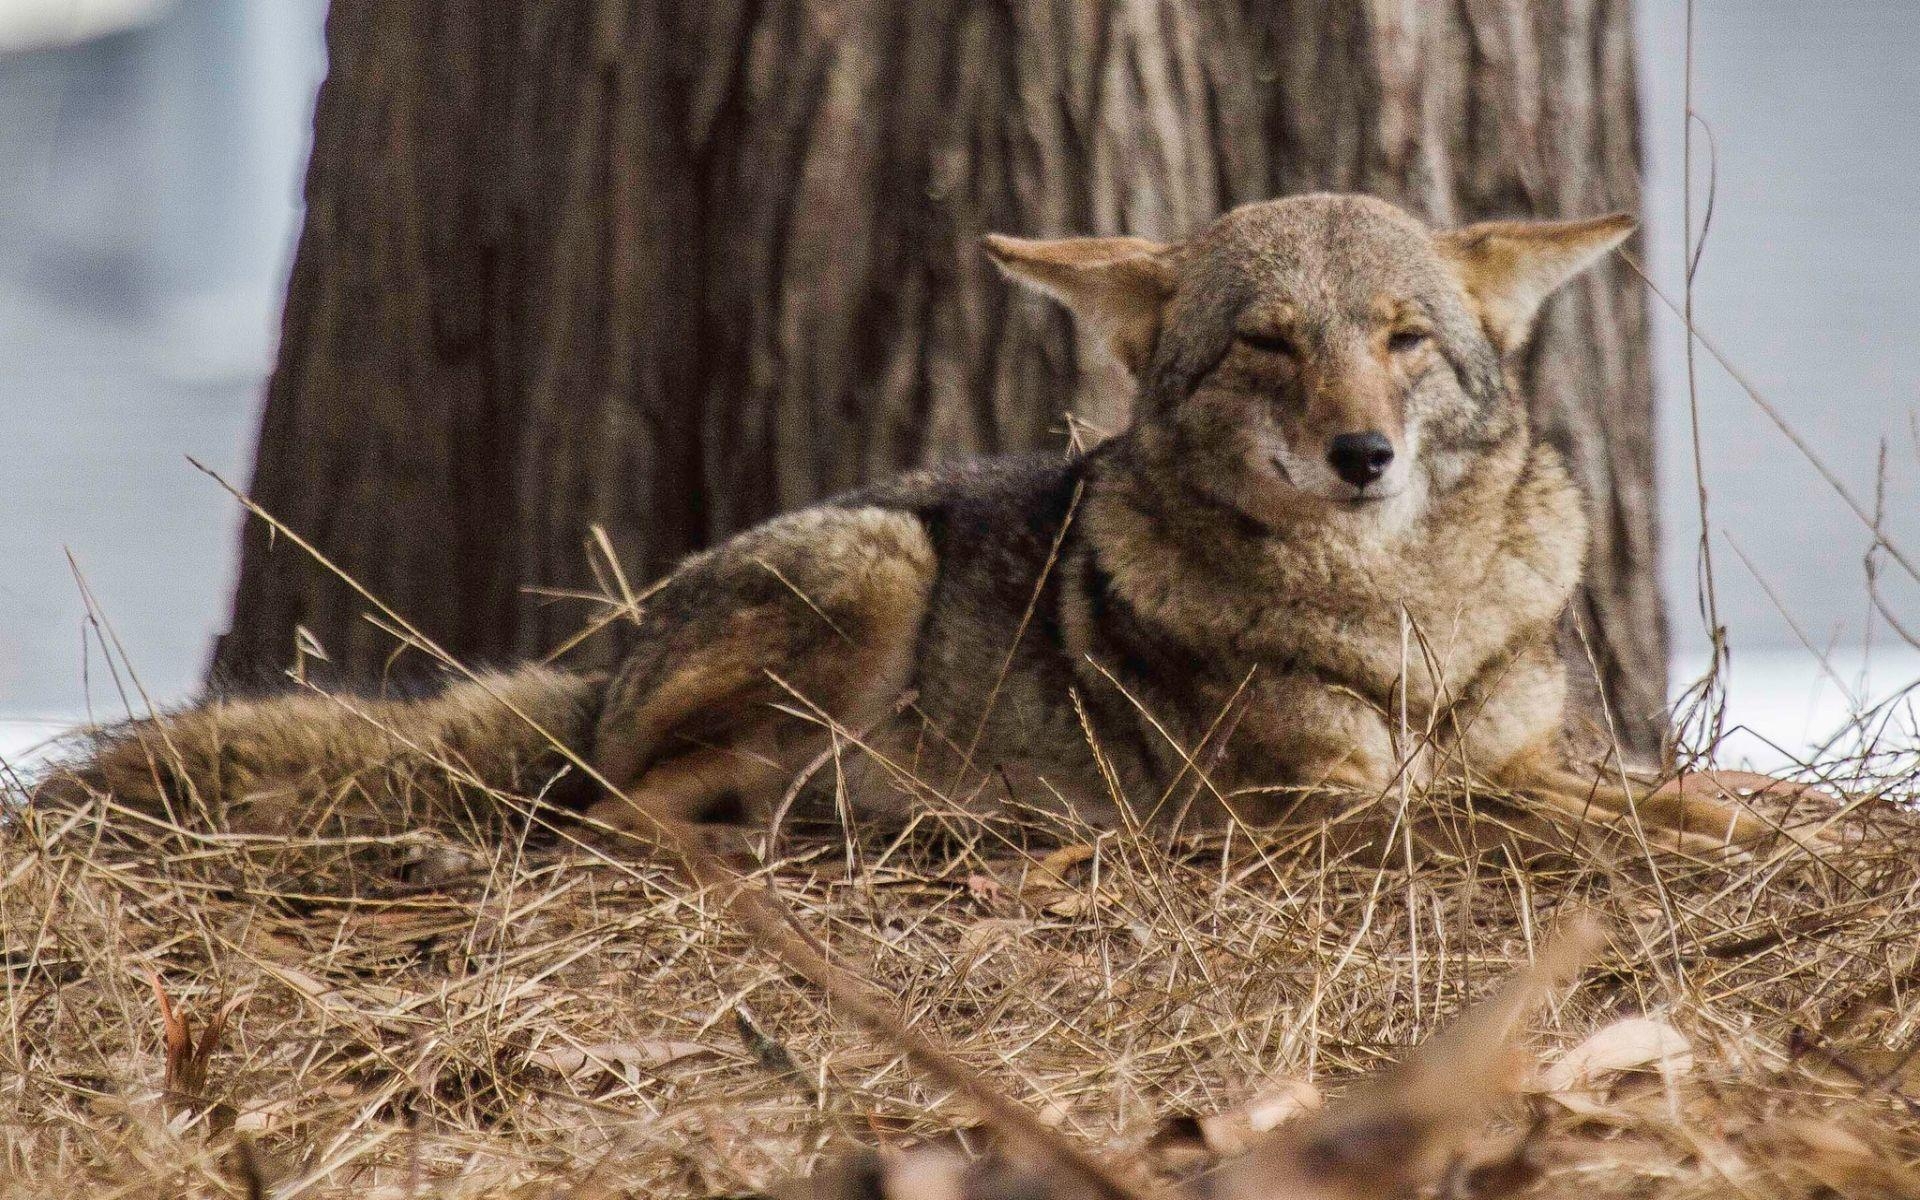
[
  {"x": 1511, "y": 555},
  {"x": 1215, "y": 608},
  {"x": 1120, "y": 282},
  {"x": 317, "y": 764},
  {"x": 1508, "y": 268},
  {"x": 833, "y": 635}
]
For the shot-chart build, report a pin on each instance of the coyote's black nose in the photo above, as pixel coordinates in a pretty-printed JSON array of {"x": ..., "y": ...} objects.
[{"x": 1360, "y": 458}]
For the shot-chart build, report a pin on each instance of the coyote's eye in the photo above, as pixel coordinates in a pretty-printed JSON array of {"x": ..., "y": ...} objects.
[
  {"x": 1269, "y": 343},
  {"x": 1403, "y": 340}
]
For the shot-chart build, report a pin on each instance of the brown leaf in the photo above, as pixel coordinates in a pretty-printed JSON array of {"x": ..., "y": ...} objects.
[
  {"x": 1047, "y": 887},
  {"x": 177, "y": 1034},
  {"x": 189, "y": 1061},
  {"x": 1051, "y": 871}
]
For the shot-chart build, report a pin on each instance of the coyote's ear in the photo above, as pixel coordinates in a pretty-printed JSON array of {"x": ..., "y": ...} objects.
[
  {"x": 1509, "y": 268},
  {"x": 1116, "y": 285}
]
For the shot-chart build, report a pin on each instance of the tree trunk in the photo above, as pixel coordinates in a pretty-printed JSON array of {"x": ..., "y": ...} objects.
[{"x": 668, "y": 268}]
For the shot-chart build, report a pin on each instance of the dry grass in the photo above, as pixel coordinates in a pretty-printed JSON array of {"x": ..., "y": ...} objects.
[{"x": 539, "y": 1020}]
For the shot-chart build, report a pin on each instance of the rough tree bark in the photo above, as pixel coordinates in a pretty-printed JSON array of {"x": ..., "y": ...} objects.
[{"x": 668, "y": 268}]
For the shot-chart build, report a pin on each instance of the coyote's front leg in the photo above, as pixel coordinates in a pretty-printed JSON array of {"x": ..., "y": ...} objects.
[{"x": 1508, "y": 729}]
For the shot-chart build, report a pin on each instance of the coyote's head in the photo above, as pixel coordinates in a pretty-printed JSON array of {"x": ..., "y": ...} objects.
[{"x": 1324, "y": 351}]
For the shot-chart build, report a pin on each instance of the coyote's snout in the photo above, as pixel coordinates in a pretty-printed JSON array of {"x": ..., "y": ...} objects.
[{"x": 1190, "y": 622}]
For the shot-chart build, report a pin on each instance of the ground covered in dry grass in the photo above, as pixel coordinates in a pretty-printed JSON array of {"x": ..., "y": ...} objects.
[{"x": 207, "y": 1015}]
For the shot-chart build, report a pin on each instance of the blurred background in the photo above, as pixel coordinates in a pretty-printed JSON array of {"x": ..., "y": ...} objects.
[{"x": 150, "y": 163}]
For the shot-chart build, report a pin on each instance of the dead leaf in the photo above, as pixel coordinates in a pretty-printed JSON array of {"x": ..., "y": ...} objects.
[
  {"x": 1234, "y": 1130},
  {"x": 265, "y": 1118},
  {"x": 615, "y": 1058},
  {"x": 188, "y": 1059},
  {"x": 261, "y": 942},
  {"x": 1636, "y": 1043},
  {"x": 300, "y": 981},
  {"x": 978, "y": 939},
  {"x": 1072, "y": 902},
  {"x": 1047, "y": 888},
  {"x": 1051, "y": 871}
]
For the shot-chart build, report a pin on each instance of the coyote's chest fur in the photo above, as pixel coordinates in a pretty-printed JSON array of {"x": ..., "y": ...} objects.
[{"x": 1427, "y": 605}]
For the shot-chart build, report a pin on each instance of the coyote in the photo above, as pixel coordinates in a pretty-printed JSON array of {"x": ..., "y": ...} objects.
[{"x": 1327, "y": 553}]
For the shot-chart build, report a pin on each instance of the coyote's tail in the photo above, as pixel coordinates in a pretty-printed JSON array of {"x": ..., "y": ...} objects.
[{"x": 308, "y": 763}]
